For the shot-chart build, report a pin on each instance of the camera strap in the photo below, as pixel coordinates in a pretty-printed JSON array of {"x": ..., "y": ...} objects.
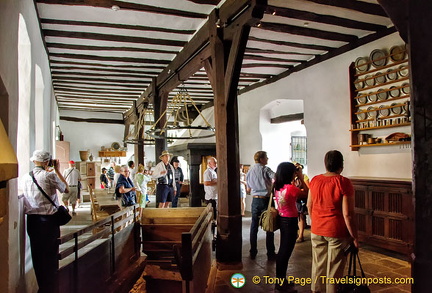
[{"x": 41, "y": 190}]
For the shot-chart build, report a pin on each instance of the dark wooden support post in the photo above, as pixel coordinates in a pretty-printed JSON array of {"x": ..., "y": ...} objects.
[
  {"x": 139, "y": 147},
  {"x": 160, "y": 103},
  {"x": 228, "y": 40},
  {"x": 419, "y": 36},
  {"x": 196, "y": 189}
]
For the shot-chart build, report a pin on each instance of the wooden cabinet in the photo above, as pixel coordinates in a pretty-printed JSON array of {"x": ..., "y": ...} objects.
[
  {"x": 385, "y": 213},
  {"x": 62, "y": 154},
  {"x": 380, "y": 99},
  {"x": 90, "y": 173}
]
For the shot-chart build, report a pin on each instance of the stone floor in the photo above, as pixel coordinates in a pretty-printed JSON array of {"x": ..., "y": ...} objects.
[{"x": 376, "y": 263}]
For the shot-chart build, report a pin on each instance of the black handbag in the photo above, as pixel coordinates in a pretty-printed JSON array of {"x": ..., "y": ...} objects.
[
  {"x": 62, "y": 215},
  {"x": 353, "y": 281}
]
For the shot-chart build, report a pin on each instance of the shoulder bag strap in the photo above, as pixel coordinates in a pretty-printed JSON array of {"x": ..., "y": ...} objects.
[
  {"x": 69, "y": 173},
  {"x": 270, "y": 201},
  {"x": 350, "y": 267},
  {"x": 41, "y": 190},
  {"x": 361, "y": 269}
]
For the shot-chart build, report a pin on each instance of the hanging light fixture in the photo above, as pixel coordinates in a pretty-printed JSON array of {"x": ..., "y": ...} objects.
[
  {"x": 134, "y": 136},
  {"x": 182, "y": 110}
]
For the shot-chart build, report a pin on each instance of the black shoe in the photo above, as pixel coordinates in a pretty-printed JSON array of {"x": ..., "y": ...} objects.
[
  {"x": 286, "y": 287},
  {"x": 271, "y": 256},
  {"x": 253, "y": 255}
]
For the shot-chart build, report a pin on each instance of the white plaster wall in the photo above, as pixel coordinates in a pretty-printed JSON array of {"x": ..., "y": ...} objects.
[
  {"x": 324, "y": 89},
  {"x": 92, "y": 136}
]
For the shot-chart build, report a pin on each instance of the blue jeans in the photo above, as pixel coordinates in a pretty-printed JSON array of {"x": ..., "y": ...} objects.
[
  {"x": 288, "y": 237},
  {"x": 176, "y": 197},
  {"x": 258, "y": 206}
]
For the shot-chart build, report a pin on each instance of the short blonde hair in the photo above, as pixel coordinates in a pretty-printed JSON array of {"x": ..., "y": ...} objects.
[{"x": 140, "y": 168}]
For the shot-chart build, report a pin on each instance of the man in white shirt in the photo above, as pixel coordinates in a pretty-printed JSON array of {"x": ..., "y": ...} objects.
[
  {"x": 42, "y": 227},
  {"x": 210, "y": 184},
  {"x": 132, "y": 170},
  {"x": 164, "y": 174},
  {"x": 72, "y": 176}
]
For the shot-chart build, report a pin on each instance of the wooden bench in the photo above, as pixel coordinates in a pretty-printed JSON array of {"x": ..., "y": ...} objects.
[{"x": 178, "y": 244}]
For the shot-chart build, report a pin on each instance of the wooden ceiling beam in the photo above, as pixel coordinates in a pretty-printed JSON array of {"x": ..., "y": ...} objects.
[
  {"x": 292, "y": 44},
  {"x": 269, "y": 65},
  {"x": 308, "y": 32},
  {"x": 120, "y": 97},
  {"x": 90, "y": 109},
  {"x": 62, "y": 73},
  {"x": 109, "y": 58},
  {"x": 96, "y": 89},
  {"x": 76, "y": 69},
  {"x": 107, "y": 48},
  {"x": 276, "y": 52},
  {"x": 116, "y": 25},
  {"x": 398, "y": 13},
  {"x": 118, "y": 81},
  {"x": 92, "y": 120},
  {"x": 322, "y": 18},
  {"x": 112, "y": 38},
  {"x": 112, "y": 85},
  {"x": 127, "y": 6},
  {"x": 270, "y": 59},
  {"x": 365, "y": 7},
  {"x": 61, "y": 63},
  {"x": 210, "y": 2}
]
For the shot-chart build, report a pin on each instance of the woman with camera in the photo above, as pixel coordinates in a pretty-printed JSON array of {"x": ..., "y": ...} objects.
[{"x": 286, "y": 195}]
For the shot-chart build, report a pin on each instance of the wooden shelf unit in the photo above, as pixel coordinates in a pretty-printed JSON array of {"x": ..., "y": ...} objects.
[
  {"x": 110, "y": 154},
  {"x": 378, "y": 121}
]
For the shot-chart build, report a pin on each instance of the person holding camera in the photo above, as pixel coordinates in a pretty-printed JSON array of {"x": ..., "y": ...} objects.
[
  {"x": 301, "y": 201},
  {"x": 72, "y": 177},
  {"x": 286, "y": 195},
  {"x": 42, "y": 227},
  {"x": 331, "y": 207}
]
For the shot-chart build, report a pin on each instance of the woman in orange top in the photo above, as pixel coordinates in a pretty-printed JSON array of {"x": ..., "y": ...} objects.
[{"x": 331, "y": 207}]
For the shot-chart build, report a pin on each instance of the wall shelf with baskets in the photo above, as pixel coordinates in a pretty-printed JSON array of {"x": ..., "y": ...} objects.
[{"x": 380, "y": 97}]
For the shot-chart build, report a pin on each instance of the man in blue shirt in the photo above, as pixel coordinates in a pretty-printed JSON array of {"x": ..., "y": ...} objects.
[{"x": 259, "y": 180}]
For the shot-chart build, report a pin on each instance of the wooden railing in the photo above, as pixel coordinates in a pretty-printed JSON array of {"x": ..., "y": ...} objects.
[{"x": 100, "y": 257}]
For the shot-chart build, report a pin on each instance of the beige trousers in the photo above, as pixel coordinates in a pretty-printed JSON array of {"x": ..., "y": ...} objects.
[{"x": 328, "y": 262}]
